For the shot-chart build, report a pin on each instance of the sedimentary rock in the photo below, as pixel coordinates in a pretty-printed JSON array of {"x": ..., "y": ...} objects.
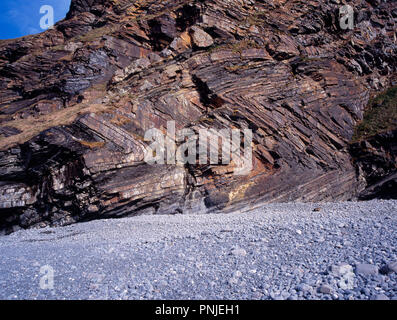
[{"x": 76, "y": 101}]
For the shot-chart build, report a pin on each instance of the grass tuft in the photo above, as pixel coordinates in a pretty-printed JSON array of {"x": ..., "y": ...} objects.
[{"x": 380, "y": 115}]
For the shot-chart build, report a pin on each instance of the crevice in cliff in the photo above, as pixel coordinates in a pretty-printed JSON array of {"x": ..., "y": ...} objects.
[
  {"x": 209, "y": 99},
  {"x": 187, "y": 16},
  {"x": 158, "y": 39}
]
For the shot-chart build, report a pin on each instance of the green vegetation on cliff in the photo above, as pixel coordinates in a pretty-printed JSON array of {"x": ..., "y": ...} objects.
[{"x": 380, "y": 115}]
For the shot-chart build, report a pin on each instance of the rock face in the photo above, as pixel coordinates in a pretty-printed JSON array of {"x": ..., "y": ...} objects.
[
  {"x": 376, "y": 159},
  {"x": 200, "y": 38},
  {"x": 75, "y": 102}
]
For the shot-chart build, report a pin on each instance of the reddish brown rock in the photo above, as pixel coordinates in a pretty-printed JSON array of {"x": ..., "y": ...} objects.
[
  {"x": 201, "y": 38},
  {"x": 76, "y": 101}
]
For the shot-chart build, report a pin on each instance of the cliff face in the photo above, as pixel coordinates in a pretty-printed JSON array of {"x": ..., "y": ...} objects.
[
  {"x": 376, "y": 159},
  {"x": 75, "y": 102}
]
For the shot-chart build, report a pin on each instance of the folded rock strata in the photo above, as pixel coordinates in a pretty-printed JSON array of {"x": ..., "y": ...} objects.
[{"x": 76, "y": 101}]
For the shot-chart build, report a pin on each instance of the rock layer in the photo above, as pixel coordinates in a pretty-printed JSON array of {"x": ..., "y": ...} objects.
[
  {"x": 75, "y": 102},
  {"x": 376, "y": 159}
]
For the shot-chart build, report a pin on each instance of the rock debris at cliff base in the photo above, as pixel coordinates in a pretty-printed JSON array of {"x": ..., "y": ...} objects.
[{"x": 338, "y": 251}]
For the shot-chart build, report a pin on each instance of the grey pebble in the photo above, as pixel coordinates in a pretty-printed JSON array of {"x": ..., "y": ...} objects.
[
  {"x": 366, "y": 269},
  {"x": 243, "y": 255}
]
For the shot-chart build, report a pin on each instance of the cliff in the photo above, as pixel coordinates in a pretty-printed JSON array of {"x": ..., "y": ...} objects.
[{"x": 76, "y": 101}]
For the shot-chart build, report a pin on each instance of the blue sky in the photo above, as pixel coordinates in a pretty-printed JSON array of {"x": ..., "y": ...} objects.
[{"x": 22, "y": 17}]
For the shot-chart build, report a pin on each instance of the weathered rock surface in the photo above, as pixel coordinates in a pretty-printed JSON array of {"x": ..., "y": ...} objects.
[
  {"x": 200, "y": 38},
  {"x": 75, "y": 102},
  {"x": 376, "y": 159}
]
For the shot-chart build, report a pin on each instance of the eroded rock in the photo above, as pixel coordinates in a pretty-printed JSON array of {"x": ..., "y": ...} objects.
[{"x": 76, "y": 101}]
